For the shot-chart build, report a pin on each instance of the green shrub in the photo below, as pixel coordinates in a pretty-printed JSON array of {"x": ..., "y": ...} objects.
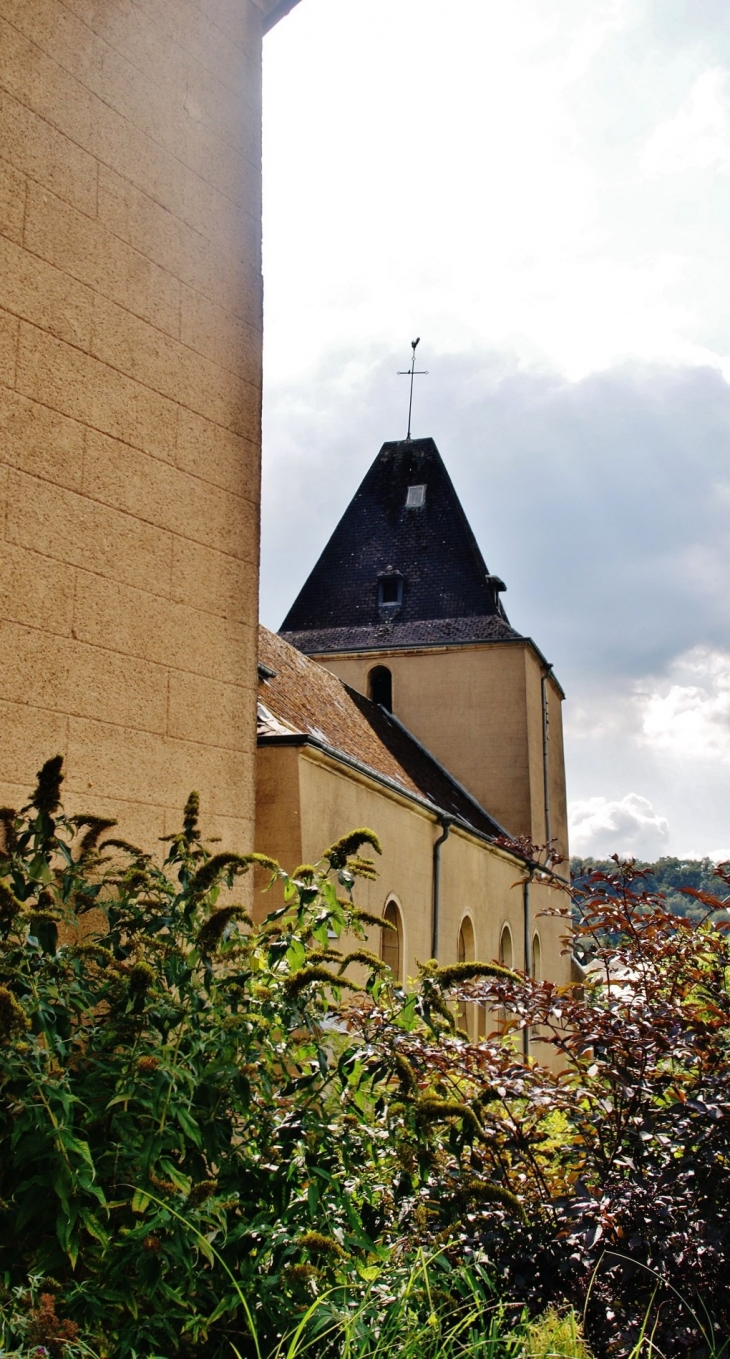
[
  {"x": 164, "y": 1074},
  {"x": 193, "y": 1146},
  {"x": 216, "y": 1133}
]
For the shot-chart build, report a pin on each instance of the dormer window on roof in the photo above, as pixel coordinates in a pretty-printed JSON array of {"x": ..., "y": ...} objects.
[
  {"x": 416, "y": 497},
  {"x": 390, "y": 589}
]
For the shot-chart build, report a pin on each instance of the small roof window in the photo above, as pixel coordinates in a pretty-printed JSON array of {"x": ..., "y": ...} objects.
[
  {"x": 416, "y": 498},
  {"x": 390, "y": 589}
]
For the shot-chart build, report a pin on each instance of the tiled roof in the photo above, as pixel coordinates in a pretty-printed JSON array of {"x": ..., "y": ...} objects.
[
  {"x": 302, "y": 701},
  {"x": 405, "y": 521},
  {"x": 394, "y": 635}
]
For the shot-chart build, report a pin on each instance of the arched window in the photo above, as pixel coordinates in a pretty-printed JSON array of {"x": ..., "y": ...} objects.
[
  {"x": 506, "y": 953},
  {"x": 465, "y": 954},
  {"x": 536, "y": 957},
  {"x": 391, "y": 940},
  {"x": 465, "y": 949},
  {"x": 380, "y": 687}
]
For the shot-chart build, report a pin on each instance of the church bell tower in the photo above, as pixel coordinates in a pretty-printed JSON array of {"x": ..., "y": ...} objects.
[{"x": 402, "y": 607}]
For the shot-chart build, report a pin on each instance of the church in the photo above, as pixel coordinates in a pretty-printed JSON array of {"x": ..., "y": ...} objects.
[{"x": 398, "y": 696}]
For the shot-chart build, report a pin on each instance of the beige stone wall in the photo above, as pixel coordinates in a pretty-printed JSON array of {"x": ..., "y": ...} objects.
[
  {"x": 306, "y": 801},
  {"x": 130, "y": 382},
  {"x": 478, "y": 709},
  {"x": 556, "y": 803},
  {"x": 278, "y": 809},
  {"x": 487, "y": 887},
  {"x": 334, "y": 801},
  {"x": 556, "y": 772}
]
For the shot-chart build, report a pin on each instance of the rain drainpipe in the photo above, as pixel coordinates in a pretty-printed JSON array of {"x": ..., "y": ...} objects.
[
  {"x": 545, "y": 765},
  {"x": 446, "y": 828},
  {"x": 527, "y": 958}
]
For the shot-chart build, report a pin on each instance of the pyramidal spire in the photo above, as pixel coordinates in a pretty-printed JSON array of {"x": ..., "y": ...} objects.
[{"x": 402, "y": 568}]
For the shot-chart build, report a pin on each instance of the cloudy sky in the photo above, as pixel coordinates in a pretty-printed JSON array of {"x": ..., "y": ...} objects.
[{"x": 541, "y": 191}]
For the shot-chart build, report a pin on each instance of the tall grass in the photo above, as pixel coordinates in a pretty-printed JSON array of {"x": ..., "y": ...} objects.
[{"x": 430, "y": 1312}]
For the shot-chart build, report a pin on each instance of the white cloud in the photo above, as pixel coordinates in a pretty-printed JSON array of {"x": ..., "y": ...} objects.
[
  {"x": 697, "y": 137},
  {"x": 629, "y": 826},
  {"x": 688, "y": 712},
  {"x": 541, "y": 192},
  {"x": 548, "y": 178}
]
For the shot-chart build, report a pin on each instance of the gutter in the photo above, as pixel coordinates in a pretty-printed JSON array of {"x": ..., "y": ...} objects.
[
  {"x": 446, "y": 829},
  {"x": 527, "y": 958}
]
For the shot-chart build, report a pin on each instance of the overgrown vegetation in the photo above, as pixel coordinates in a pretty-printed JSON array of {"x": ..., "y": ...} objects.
[{"x": 221, "y": 1136}]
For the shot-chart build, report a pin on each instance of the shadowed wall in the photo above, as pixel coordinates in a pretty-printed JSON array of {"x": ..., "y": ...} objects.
[{"x": 130, "y": 392}]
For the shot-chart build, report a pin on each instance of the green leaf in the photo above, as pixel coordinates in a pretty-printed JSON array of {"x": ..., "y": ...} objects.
[
  {"x": 229, "y": 1304},
  {"x": 189, "y": 1126},
  {"x": 140, "y": 1201},
  {"x": 182, "y": 1182},
  {"x": 74, "y": 1144},
  {"x": 39, "y": 870},
  {"x": 296, "y": 954},
  {"x": 93, "y": 1227},
  {"x": 118, "y": 1099},
  {"x": 407, "y": 1017}
]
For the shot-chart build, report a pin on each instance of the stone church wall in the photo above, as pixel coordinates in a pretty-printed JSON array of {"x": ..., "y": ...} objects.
[
  {"x": 306, "y": 802},
  {"x": 130, "y": 387},
  {"x": 478, "y": 709}
]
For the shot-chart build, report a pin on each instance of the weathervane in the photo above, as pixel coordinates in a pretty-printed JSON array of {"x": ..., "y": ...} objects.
[{"x": 412, "y": 373}]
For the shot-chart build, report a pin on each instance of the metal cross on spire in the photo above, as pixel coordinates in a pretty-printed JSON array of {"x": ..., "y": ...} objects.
[{"x": 412, "y": 373}]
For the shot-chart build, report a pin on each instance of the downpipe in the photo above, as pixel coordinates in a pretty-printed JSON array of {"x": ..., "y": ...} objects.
[
  {"x": 436, "y": 902},
  {"x": 527, "y": 958}
]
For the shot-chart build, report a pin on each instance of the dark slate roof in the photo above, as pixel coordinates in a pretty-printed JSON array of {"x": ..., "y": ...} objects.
[
  {"x": 301, "y": 702},
  {"x": 390, "y": 636},
  {"x": 448, "y": 594}
]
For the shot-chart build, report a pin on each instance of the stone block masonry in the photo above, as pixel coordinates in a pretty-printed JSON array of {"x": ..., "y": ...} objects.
[{"x": 130, "y": 399}]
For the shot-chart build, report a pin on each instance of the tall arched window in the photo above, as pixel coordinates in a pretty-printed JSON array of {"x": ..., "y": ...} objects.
[
  {"x": 536, "y": 957},
  {"x": 465, "y": 954},
  {"x": 380, "y": 687},
  {"x": 465, "y": 950},
  {"x": 506, "y": 955},
  {"x": 391, "y": 941}
]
